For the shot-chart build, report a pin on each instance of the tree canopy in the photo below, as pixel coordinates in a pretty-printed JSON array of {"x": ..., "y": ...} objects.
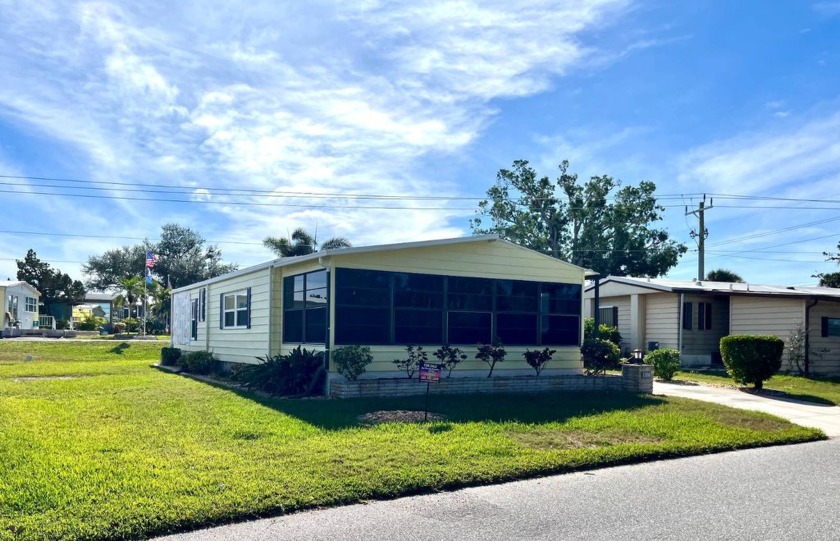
[
  {"x": 301, "y": 242},
  {"x": 830, "y": 279},
  {"x": 598, "y": 224},
  {"x": 55, "y": 286},
  {"x": 723, "y": 275},
  {"x": 183, "y": 258}
]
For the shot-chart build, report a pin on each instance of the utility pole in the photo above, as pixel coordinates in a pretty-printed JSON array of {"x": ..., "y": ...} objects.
[{"x": 701, "y": 234}]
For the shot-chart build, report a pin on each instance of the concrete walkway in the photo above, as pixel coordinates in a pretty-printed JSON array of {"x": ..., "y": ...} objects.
[{"x": 820, "y": 416}]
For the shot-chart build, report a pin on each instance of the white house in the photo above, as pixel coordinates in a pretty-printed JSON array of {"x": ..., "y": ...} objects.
[
  {"x": 692, "y": 316},
  {"x": 20, "y": 305},
  {"x": 460, "y": 292}
]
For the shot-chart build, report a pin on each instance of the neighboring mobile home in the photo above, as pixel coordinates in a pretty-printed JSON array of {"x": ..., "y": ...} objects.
[
  {"x": 20, "y": 305},
  {"x": 692, "y": 316},
  {"x": 461, "y": 291}
]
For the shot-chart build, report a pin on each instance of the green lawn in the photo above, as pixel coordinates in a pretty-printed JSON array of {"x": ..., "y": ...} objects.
[
  {"x": 813, "y": 389},
  {"x": 101, "y": 446}
]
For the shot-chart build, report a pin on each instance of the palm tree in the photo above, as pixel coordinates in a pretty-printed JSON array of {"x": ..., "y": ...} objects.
[
  {"x": 723, "y": 275},
  {"x": 132, "y": 289},
  {"x": 302, "y": 242}
]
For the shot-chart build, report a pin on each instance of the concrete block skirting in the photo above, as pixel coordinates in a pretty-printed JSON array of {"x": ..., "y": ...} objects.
[{"x": 637, "y": 378}]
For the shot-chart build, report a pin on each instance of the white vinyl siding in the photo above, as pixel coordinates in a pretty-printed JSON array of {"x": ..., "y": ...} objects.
[{"x": 767, "y": 315}]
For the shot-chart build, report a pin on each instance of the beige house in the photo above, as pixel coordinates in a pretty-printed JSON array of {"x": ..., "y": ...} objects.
[
  {"x": 460, "y": 292},
  {"x": 692, "y": 316},
  {"x": 20, "y": 305}
]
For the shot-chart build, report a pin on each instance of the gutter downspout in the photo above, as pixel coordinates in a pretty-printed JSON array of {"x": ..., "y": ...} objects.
[
  {"x": 807, "y": 336},
  {"x": 328, "y": 326},
  {"x": 680, "y": 328}
]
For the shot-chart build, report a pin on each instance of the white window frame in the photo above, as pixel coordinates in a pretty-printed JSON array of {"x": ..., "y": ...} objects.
[
  {"x": 235, "y": 310},
  {"x": 31, "y": 307}
]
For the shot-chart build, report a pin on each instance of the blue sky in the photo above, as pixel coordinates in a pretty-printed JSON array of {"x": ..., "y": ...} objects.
[{"x": 412, "y": 100}]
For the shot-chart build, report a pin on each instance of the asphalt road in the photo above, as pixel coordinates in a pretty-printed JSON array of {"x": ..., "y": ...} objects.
[{"x": 790, "y": 492}]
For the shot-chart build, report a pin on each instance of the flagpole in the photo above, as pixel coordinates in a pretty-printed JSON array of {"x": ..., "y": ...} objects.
[{"x": 145, "y": 278}]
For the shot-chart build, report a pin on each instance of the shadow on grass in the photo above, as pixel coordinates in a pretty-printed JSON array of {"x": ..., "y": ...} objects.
[
  {"x": 118, "y": 349},
  {"x": 533, "y": 408}
]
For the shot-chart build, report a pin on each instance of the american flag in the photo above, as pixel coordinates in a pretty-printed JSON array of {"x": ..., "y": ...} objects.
[{"x": 151, "y": 259}]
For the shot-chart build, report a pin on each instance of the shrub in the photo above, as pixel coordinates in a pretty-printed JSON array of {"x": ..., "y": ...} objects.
[
  {"x": 491, "y": 354},
  {"x": 752, "y": 358},
  {"x": 537, "y": 359},
  {"x": 416, "y": 355},
  {"x": 666, "y": 363},
  {"x": 119, "y": 327},
  {"x": 298, "y": 373},
  {"x": 599, "y": 355},
  {"x": 62, "y": 324},
  {"x": 605, "y": 332},
  {"x": 169, "y": 356},
  {"x": 131, "y": 323},
  {"x": 199, "y": 362},
  {"x": 450, "y": 357},
  {"x": 351, "y": 361}
]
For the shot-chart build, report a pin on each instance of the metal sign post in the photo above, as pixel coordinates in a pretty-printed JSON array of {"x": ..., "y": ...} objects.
[{"x": 428, "y": 372}]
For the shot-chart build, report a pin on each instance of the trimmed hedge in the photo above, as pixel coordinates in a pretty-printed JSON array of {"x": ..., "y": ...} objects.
[
  {"x": 600, "y": 355},
  {"x": 199, "y": 362},
  {"x": 752, "y": 358},
  {"x": 666, "y": 363},
  {"x": 169, "y": 356}
]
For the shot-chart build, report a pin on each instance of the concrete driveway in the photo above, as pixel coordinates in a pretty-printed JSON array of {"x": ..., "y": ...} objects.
[{"x": 824, "y": 417}]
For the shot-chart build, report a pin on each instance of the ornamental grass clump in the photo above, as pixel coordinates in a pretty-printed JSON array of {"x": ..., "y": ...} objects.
[
  {"x": 298, "y": 373},
  {"x": 666, "y": 363},
  {"x": 752, "y": 358}
]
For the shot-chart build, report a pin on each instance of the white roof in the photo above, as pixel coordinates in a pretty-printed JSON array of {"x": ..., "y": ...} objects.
[
  {"x": 16, "y": 283},
  {"x": 733, "y": 288},
  {"x": 285, "y": 261}
]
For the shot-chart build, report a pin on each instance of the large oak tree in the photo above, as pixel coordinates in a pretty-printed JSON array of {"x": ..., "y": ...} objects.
[{"x": 597, "y": 224}]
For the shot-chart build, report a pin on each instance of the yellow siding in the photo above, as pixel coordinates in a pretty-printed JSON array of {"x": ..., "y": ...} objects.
[
  {"x": 240, "y": 345},
  {"x": 491, "y": 259},
  {"x": 825, "y": 351},
  {"x": 623, "y": 304},
  {"x": 565, "y": 360},
  {"x": 663, "y": 320}
]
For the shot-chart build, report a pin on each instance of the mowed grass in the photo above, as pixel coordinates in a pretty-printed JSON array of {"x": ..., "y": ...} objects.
[
  {"x": 121, "y": 450},
  {"x": 823, "y": 390}
]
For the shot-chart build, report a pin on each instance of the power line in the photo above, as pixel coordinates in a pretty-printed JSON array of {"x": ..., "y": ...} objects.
[{"x": 115, "y": 237}]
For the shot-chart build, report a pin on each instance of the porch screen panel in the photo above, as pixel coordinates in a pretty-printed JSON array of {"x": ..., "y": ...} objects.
[{"x": 362, "y": 307}]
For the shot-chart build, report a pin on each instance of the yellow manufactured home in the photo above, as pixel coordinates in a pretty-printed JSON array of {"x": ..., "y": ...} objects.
[{"x": 460, "y": 292}]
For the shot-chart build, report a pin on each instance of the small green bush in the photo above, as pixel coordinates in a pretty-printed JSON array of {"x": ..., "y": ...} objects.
[
  {"x": 169, "y": 356},
  {"x": 491, "y": 354},
  {"x": 666, "y": 363},
  {"x": 415, "y": 356},
  {"x": 537, "y": 359},
  {"x": 600, "y": 355},
  {"x": 450, "y": 357},
  {"x": 752, "y": 358},
  {"x": 605, "y": 332},
  {"x": 298, "y": 373},
  {"x": 199, "y": 362},
  {"x": 351, "y": 361}
]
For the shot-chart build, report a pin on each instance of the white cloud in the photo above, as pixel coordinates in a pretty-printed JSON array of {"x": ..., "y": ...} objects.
[{"x": 286, "y": 97}]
